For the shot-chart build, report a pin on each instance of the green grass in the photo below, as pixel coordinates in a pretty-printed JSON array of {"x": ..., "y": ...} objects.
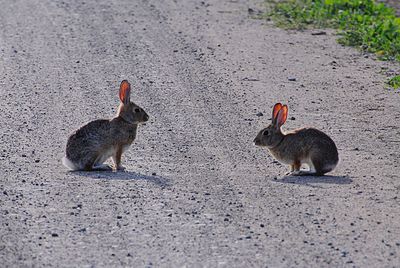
[
  {"x": 394, "y": 82},
  {"x": 365, "y": 24},
  {"x": 371, "y": 26}
]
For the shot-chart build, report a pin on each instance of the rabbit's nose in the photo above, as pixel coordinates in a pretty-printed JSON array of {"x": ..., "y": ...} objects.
[
  {"x": 256, "y": 141},
  {"x": 146, "y": 117}
]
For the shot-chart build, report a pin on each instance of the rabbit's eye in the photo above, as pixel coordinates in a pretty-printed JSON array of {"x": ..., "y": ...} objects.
[
  {"x": 266, "y": 133},
  {"x": 137, "y": 110}
]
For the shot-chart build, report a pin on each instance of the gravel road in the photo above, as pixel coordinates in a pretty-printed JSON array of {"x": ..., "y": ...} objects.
[{"x": 197, "y": 192}]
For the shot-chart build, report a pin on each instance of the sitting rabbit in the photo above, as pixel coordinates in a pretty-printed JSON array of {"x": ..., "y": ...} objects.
[
  {"x": 95, "y": 142},
  {"x": 301, "y": 146}
]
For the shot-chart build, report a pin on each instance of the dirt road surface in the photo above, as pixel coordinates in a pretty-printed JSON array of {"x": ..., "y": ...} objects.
[{"x": 196, "y": 193}]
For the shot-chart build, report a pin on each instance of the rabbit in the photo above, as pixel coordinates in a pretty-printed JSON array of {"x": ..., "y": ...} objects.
[
  {"x": 301, "y": 146},
  {"x": 89, "y": 146}
]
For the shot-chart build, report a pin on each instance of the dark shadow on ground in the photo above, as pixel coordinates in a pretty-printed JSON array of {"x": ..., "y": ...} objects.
[
  {"x": 123, "y": 175},
  {"x": 305, "y": 180}
]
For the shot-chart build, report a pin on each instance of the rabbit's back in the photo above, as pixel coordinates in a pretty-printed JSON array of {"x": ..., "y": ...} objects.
[
  {"x": 307, "y": 143},
  {"x": 89, "y": 140}
]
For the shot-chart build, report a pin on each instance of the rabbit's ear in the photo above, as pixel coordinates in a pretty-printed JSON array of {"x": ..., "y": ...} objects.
[
  {"x": 275, "y": 111},
  {"x": 125, "y": 92},
  {"x": 282, "y": 116}
]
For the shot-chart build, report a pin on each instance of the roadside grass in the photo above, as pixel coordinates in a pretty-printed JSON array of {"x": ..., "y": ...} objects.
[
  {"x": 365, "y": 24},
  {"x": 394, "y": 82}
]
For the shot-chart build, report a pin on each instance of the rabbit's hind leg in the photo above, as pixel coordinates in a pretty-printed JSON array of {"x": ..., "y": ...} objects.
[
  {"x": 317, "y": 167},
  {"x": 93, "y": 162},
  {"x": 311, "y": 172},
  {"x": 98, "y": 163}
]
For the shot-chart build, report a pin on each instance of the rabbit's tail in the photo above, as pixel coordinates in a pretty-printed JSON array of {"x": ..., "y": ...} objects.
[{"x": 69, "y": 164}]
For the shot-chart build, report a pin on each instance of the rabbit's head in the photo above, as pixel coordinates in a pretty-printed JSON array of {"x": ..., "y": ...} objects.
[
  {"x": 128, "y": 110},
  {"x": 272, "y": 135}
]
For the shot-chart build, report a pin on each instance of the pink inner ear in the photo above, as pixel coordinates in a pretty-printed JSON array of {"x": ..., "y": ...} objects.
[
  {"x": 276, "y": 109},
  {"x": 282, "y": 115},
  {"x": 124, "y": 91}
]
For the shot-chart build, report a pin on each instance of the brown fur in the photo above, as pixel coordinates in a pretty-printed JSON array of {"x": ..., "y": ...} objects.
[
  {"x": 95, "y": 142},
  {"x": 306, "y": 145}
]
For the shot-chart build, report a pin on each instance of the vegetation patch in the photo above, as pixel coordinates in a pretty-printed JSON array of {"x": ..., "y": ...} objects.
[
  {"x": 371, "y": 26},
  {"x": 366, "y": 24},
  {"x": 394, "y": 82}
]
